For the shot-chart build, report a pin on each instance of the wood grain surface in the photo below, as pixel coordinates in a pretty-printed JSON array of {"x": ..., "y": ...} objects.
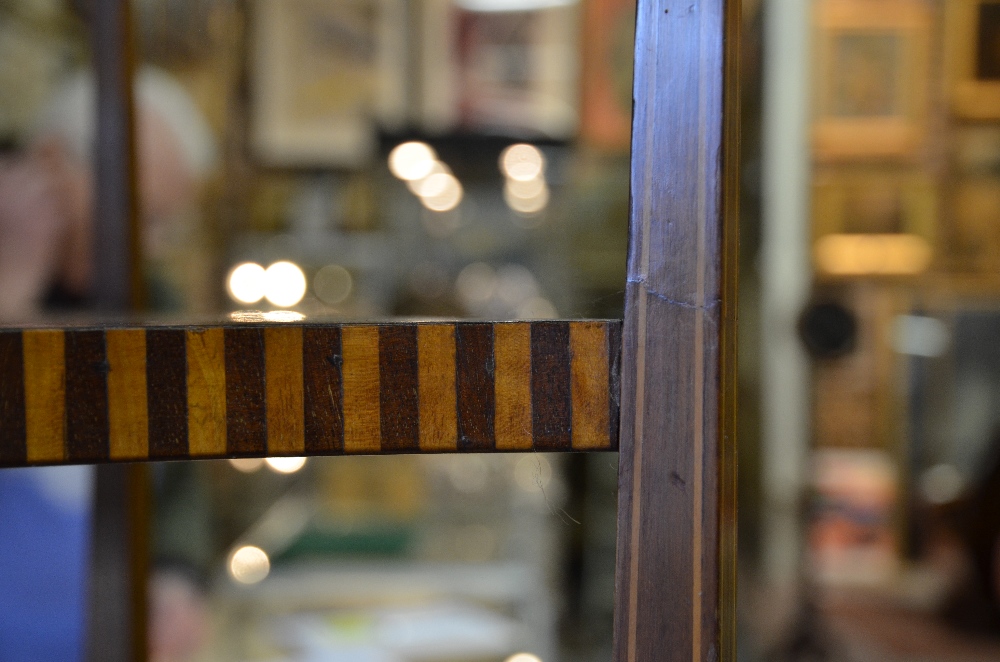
[
  {"x": 589, "y": 372},
  {"x": 245, "y": 390},
  {"x": 166, "y": 360},
  {"x": 361, "y": 373},
  {"x": 675, "y": 597},
  {"x": 322, "y": 360},
  {"x": 44, "y": 395},
  {"x": 13, "y": 426},
  {"x": 206, "y": 392},
  {"x": 436, "y": 387},
  {"x": 398, "y": 393},
  {"x": 474, "y": 376},
  {"x": 128, "y": 398},
  {"x": 283, "y": 360},
  {"x": 512, "y": 354},
  {"x": 551, "y": 400},
  {"x": 87, "y": 425}
]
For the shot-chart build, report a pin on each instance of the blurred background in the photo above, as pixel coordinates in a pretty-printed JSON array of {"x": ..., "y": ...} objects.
[{"x": 469, "y": 158}]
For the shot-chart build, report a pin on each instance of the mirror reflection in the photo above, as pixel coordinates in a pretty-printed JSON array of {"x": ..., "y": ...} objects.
[{"x": 334, "y": 159}]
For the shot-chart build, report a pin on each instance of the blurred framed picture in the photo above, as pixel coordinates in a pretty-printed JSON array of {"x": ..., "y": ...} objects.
[
  {"x": 870, "y": 221},
  {"x": 487, "y": 70},
  {"x": 973, "y": 238},
  {"x": 872, "y": 78},
  {"x": 975, "y": 150},
  {"x": 323, "y": 76},
  {"x": 973, "y": 57},
  {"x": 874, "y": 201}
]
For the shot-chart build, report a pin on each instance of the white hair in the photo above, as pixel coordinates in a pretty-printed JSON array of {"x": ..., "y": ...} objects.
[{"x": 70, "y": 116}]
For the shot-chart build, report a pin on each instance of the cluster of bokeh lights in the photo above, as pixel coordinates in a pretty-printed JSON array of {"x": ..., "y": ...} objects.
[
  {"x": 525, "y": 190},
  {"x": 283, "y": 283},
  {"x": 427, "y": 177}
]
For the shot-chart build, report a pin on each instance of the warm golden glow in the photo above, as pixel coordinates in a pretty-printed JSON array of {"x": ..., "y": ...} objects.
[
  {"x": 412, "y": 160},
  {"x": 284, "y": 284},
  {"x": 249, "y": 564},
  {"x": 872, "y": 254},
  {"x": 286, "y": 465},
  {"x": 522, "y": 162},
  {"x": 246, "y": 282}
]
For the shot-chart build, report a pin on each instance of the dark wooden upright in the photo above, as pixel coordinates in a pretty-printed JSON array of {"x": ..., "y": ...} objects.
[
  {"x": 117, "y": 626},
  {"x": 675, "y": 578}
]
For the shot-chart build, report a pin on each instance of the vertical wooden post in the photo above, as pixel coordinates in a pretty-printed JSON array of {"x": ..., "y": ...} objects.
[
  {"x": 119, "y": 566},
  {"x": 116, "y": 631},
  {"x": 117, "y": 250},
  {"x": 675, "y": 592}
]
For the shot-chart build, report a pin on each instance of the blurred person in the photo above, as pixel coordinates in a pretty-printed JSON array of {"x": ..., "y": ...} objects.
[
  {"x": 46, "y": 192},
  {"x": 46, "y": 261}
]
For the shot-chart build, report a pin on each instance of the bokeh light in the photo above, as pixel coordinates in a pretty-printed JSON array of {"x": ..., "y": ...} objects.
[
  {"x": 527, "y": 189},
  {"x": 941, "y": 484},
  {"x": 537, "y": 308},
  {"x": 438, "y": 167},
  {"x": 522, "y": 162},
  {"x": 286, "y": 465},
  {"x": 476, "y": 284},
  {"x": 333, "y": 284},
  {"x": 523, "y": 657},
  {"x": 284, "y": 284},
  {"x": 412, "y": 160},
  {"x": 440, "y": 192},
  {"x": 515, "y": 284},
  {"x": 249, "y": 564},
  {"x": 525, "y": 204},
  {"x": 246, "y": 282},
  {"x": 247, "y": 465}
]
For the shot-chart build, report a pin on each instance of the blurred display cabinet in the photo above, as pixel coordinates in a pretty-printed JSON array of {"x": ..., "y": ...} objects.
[{"x": 385, "y": 558}]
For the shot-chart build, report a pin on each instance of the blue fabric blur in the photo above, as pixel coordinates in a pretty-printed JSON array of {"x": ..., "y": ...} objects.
[{"x": 44, "y": 563}]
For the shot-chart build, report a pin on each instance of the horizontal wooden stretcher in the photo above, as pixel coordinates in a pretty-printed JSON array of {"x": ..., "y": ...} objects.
[{"x": 128, "y": 393}]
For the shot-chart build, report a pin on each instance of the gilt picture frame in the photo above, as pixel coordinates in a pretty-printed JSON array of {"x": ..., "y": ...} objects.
[
  {"x": 872, "y": 74},
  {"x": 506, "y": 73},
  {"x": 974, "y": 203},
  {"x": 323, "y": 77},
  {"x": 972, "y": 52},
  {"x": 874, "y": 220},
  {"x": 874, "y": 200}
]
